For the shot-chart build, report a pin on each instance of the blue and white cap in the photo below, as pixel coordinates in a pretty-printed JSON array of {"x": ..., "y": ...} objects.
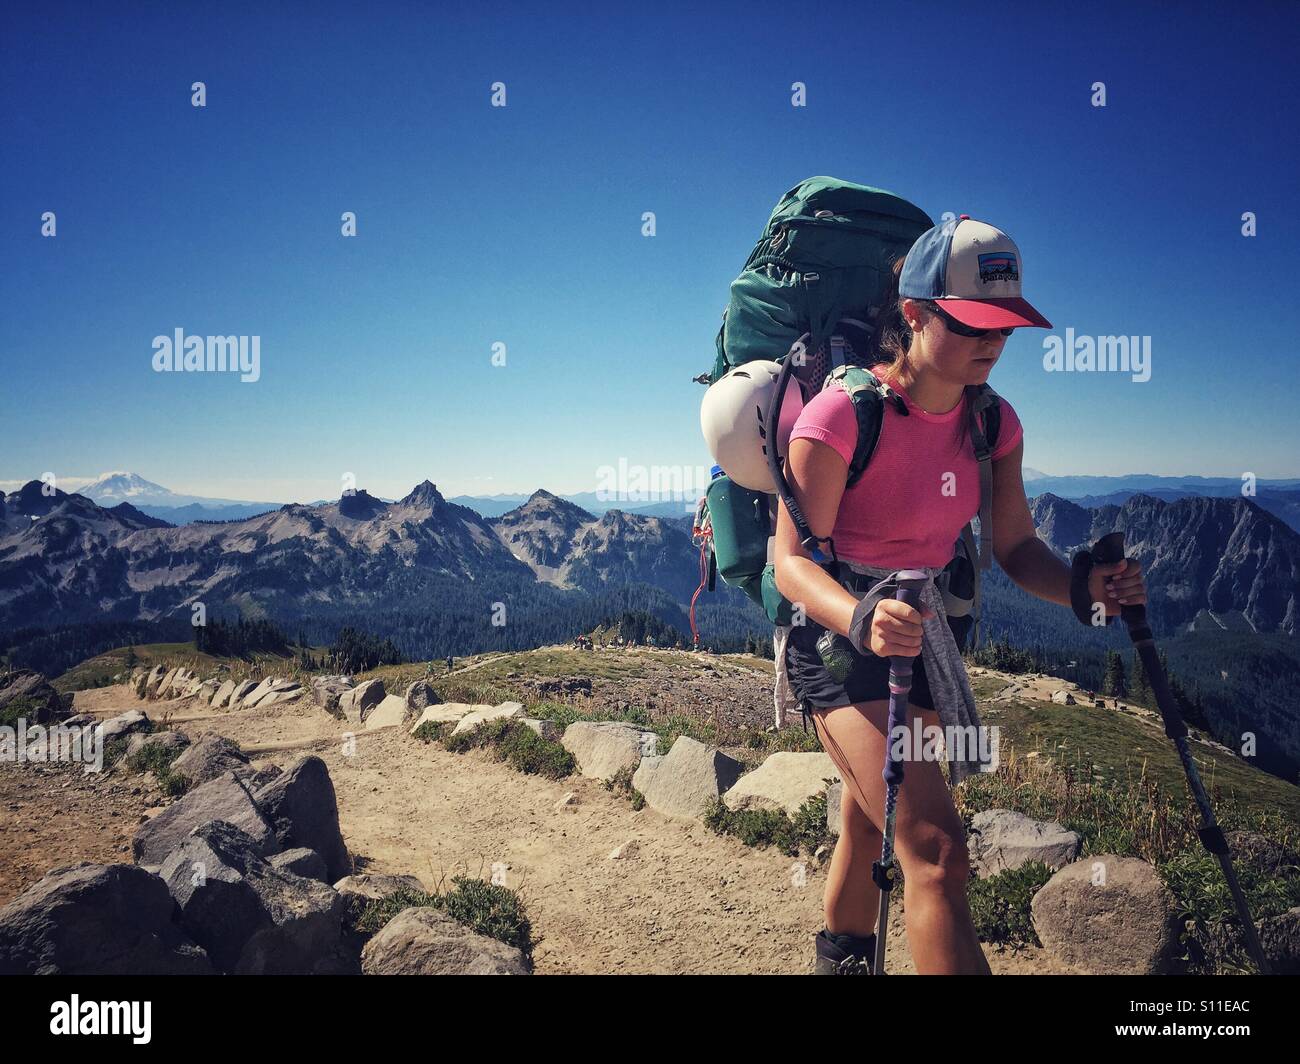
[{"x": 973, "y": 269}]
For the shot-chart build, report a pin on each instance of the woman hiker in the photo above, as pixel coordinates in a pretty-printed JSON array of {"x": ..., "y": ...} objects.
[{"x": 959, "y": 299}]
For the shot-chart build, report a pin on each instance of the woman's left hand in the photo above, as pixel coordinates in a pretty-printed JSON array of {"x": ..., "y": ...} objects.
[{"x": 1117, "y": 584}]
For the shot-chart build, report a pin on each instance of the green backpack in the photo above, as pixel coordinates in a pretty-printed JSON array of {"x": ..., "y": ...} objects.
[{"x": 814, "y": 285}]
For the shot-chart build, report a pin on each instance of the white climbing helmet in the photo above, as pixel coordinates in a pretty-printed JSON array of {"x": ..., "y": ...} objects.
[{"x": 732, "y": 416}]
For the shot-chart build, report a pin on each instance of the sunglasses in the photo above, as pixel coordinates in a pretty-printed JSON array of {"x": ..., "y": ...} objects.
[{"x": 961, "y": 328}]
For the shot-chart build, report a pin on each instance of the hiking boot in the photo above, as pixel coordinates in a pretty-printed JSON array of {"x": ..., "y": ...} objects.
[{"x": 844, "y": 954}]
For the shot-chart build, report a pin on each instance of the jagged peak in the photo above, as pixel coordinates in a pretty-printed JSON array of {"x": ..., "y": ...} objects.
[{"x": 424, "y": 493}]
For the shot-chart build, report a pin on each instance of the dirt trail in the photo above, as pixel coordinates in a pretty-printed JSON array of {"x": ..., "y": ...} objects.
[{"x": 688, "y": 901}]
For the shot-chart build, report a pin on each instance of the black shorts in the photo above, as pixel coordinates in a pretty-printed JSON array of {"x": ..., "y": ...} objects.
[{"x": 868, "y": 681}]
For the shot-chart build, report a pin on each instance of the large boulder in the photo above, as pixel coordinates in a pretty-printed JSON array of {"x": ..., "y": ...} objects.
[
  {"x": 603, "y": 748},
  {"x": 90, "y": 919},
  {"x": 301, "y": 805},
  {"x": 685, "y": 781},
  {"x": 446, "y": 713},
  {"x": 131, "y": 722},
  {"x": 175, "y": 683},
  {"x": 32, "y": 697},
  {"x": 327, "y": 690},
  {"x": 1280, "y": 937},
  {"x": 783, "y": 781},
  {"x": 357, "y": 703},
  {"x": 224, "y": 798},
  {"x": 425, "y": 941},
  {"x": 208, "y": 757},
  {"x": 419, "y": 695},
  {"x": 251, "y": 917},
  {"x": 301, "y": 862},
  {"x": 1000, "y": 839},
  {"x": 483, "y": 714},
  {"x": 154, "y": 681},
  {"x": 1106, "y": 915},
  {"x": 249, "y": 700},
  {"x": 279, "y": 691},
  {"x": 388, "y": 714}
]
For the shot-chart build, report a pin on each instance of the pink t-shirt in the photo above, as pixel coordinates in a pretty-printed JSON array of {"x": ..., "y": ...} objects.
[{"x": 920, "y": 487}]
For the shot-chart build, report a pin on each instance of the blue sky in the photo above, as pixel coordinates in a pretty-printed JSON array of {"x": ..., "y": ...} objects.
[{"x": 522, "y": 225}]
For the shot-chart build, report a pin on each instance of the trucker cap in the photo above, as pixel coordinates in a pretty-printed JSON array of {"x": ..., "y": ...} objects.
[{"x": 973, "y": 269}]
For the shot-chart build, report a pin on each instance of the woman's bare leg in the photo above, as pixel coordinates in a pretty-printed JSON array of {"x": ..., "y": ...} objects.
[
  {"x": 852, "y": 899},
  {"x": 929, "y": 838}
]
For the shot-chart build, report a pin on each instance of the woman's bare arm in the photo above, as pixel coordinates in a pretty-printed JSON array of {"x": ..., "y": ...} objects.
[{"x": 817, "y": 475}]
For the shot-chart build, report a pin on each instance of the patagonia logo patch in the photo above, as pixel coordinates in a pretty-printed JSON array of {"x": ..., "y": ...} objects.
[{"x": 998, "y": 266}]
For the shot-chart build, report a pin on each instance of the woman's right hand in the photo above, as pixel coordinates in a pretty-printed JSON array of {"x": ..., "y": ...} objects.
[{"x": 896, "y": 629}]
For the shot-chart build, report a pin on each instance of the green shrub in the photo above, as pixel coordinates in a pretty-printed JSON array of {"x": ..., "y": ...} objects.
[
  {"x": 430, "y": 731},
  {"x": 999, "y": 905},
  {"x": 158, "y": 759},
  {"x": 484, "y": 908},
  {"x": 518, "y": 745},
  {"x": 805, "y": 831},
  {"x": 621, "y": 783}
]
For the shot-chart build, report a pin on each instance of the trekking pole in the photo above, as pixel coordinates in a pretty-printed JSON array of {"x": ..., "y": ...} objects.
[
  {"x": 1110, "y": 549},
  {"x": 910, "y": 582}
]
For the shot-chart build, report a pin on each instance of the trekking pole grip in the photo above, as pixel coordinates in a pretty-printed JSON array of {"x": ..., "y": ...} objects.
[{"x": 910, "y": 583}]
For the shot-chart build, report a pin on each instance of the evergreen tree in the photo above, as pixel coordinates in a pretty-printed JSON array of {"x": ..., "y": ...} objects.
[
  {"x": 1141, "y": 685},
  {"x": 1114, "y": 684}
]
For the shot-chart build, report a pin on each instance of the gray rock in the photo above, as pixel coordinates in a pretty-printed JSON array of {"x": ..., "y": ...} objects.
[
  {"x": 279, "y": 691},
  {"x": 420, "y": 695},
  {"x": 90, "y": 919},
  {"x": 222, "y": 698},
  {"x": 1280, "y": 937},
  {"x": 783, "y": 781},
  {"x": 482, "y": 715},
  {"x": 224, "y": 798},
  {"x": 251, "y": 917},
  {"x": 241, "y": 691},
  {"x": 301, "y": 805},
  {"x": 603, "y": 748},
  {"x": 357, "y": 703},
  {"x": 327, "y": 690},
  {"x": 686, "y": 780},
  {"x": 301, "y": 862},
  {"x": 447, "y": 713},
  {"x": 1000, "y": 839},
  {"x": 156, "y": 676},
  {"x": 425, "y": 941},
  {"x": 128, "y": 723},
  {"x": 208, "y": 757},
  {"x": 390, "y": 713},
  {"x": 1063, "y": 698},
  {"x": 547, "y": 729},
  {"x": 1117, "y": 927},
  {"x": 42, "y": 703}
]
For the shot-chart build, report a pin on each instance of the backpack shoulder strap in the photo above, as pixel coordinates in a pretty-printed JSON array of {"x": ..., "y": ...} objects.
[
  {"x": 985, "y": 421},
  {"x": 869, "y": 395}
]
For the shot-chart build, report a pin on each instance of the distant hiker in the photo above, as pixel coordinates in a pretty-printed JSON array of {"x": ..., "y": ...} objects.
[
  {"x": 449, "y": 662},
  {"x": 956, "y": 299}
]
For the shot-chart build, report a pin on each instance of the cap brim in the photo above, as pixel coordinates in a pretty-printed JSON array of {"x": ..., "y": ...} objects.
[{"x": 994, "y": 313}]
